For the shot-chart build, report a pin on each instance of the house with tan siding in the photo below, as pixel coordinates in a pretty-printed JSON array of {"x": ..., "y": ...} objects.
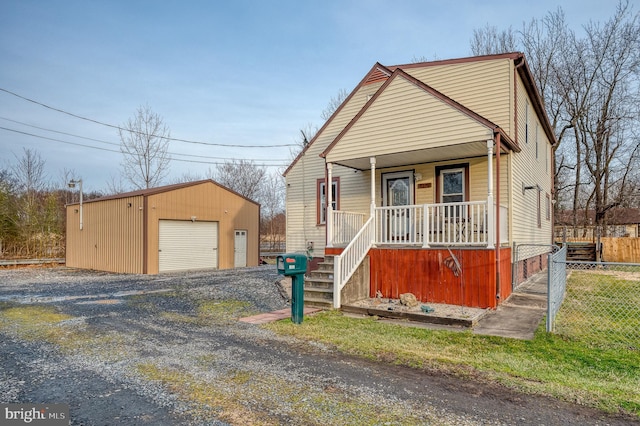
[
  {"x": 186, "y": 226},
  {"x": 437, "y": 169}
]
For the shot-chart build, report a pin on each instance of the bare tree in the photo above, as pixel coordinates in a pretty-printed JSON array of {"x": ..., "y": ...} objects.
[
  {"x": 334, "y": 104},
  {"x": 189, "y": 176},
  {"x": 309, "y": 131},
  {"x": 115, "y": 185},
  {"x": 9, "y": 233},
  {"x": 144, "y": 142},
  {"x": 29, "y": 172},
  {"x": 243, "y": 176},
  {"x": 272, "y": 207},
  {"x": 589, "y": 86},
  {"x": 488, "y": 41},
  {"x": 601, "y": 98},
  {"x": 30, "y": 179}
]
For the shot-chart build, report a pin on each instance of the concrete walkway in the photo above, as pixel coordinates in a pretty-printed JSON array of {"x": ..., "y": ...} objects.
[
  {"x": 519, "y": 316},
  {"x": 275, "y": 315}
]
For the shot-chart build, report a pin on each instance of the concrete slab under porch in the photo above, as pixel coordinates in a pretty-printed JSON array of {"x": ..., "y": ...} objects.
[
  {"x": 431, "y": 313},
  {"x": 518, "y": 317}
]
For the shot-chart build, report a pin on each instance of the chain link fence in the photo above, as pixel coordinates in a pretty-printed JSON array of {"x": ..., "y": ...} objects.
[
  {"x": 600, "y": 304},
  {"x": 528, "y": 260},
  {"x": 556, "y": 285}
]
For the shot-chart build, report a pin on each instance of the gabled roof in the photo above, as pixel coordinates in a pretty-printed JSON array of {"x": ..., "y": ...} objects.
[
  {"x": 161, "y": 189},
  {"x": 376, "y": 73},
  {"x": 380, "y": 72},
  {"x": 399, "y": 73}
]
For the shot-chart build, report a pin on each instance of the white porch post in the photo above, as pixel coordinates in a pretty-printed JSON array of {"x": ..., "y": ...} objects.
[
  {"x": 490, "y": 210},
  {"x": 372, "y": 160},
  {"x": 328, "y": 189}
]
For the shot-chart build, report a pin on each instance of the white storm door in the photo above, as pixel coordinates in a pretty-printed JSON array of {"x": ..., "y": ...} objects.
[
  {"x": 397, "y": 192},
  {"x": 185, "y": 245},
  {"x": 240, "y": 249}
]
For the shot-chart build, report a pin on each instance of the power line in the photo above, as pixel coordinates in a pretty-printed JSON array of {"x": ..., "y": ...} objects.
[
  {"x": 56, "y": 131},
  {"x": 119, "y": 152},
  {"x": 117, "y": 144},
  {"x": 132, "y": 131},
  {"x": 58, "y": 140}
]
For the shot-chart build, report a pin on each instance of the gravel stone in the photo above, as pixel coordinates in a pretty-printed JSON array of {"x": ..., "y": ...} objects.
[{"x": 187, "y": 323}]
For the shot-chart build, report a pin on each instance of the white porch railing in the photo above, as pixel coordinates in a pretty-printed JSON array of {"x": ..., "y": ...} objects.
[
  {"x": 399, "y": 225},
  {"x": 345, "y": 226},
  {"x": 444, "y": 224},
  {"x": 437, "y": 224},
  {"x": 346, "y": 263},
  {"x": 456, "y": 224}
]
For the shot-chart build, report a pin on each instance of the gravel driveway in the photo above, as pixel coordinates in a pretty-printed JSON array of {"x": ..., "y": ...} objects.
[{"x": 168, "y": 349}]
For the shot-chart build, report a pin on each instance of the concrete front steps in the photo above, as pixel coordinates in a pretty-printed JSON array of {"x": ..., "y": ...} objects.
[{"x": 318, "y": 285}]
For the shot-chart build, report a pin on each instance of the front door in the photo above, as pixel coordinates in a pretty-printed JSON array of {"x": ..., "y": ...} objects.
[{"x": 398, "y": 192}]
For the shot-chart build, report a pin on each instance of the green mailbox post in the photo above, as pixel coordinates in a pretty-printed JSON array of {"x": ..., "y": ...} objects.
[{"x": 294, "y": 265}]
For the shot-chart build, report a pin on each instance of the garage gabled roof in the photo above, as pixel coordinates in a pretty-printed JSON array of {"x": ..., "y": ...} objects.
[{"x": 161, "y": 189}]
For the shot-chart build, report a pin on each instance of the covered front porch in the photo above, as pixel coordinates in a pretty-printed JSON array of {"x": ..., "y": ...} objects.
[
  {"x": 448, "y": 251},
  {"x": 425, "y": 233}
]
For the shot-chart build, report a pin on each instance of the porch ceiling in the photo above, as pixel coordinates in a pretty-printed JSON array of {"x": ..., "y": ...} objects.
[{"x": 428, "y": 155}]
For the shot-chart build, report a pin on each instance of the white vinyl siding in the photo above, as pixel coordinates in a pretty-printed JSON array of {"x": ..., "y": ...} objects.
[
  {"x": 483, "y": 87},
  {"x": 186, "y": 245},
  {"x": 527, "y": 170},
  {"x": 301, "y": 181},
  {"x": 406, "y": 116}
]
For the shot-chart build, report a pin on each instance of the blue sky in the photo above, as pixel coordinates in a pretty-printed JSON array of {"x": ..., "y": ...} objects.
[{"x": 230, "y": 72}]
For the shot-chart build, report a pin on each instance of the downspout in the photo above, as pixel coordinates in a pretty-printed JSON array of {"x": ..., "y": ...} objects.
[
  {"x": 497, "y": 215},
  {"x": 328, "y": 189},
  {"x": 515, "y": 98}
]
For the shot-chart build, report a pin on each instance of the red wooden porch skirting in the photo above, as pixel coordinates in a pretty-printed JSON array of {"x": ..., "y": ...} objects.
[{"x": 428, "y": 273}]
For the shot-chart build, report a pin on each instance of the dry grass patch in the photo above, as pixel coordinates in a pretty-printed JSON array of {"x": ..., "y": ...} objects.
[
  {"x": 243, "y": 397},
  {"x": 70, "y": 334}
]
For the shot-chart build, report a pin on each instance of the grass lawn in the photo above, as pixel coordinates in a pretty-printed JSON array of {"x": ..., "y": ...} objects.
[
  {"x": 603, "y": 307},
  {"x": 573, "y": 369}
]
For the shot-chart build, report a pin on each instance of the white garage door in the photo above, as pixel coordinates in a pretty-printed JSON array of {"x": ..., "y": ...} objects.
[{"x": 187, "y": 245}]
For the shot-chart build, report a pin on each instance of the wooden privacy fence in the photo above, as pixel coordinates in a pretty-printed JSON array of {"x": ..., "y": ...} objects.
[
  {"x": 615, "y": 249},
  {"x": 625, "y": 249}
]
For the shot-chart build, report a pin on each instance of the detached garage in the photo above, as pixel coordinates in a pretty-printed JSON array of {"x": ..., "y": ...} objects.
[{"x": 187, "y": 226}]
